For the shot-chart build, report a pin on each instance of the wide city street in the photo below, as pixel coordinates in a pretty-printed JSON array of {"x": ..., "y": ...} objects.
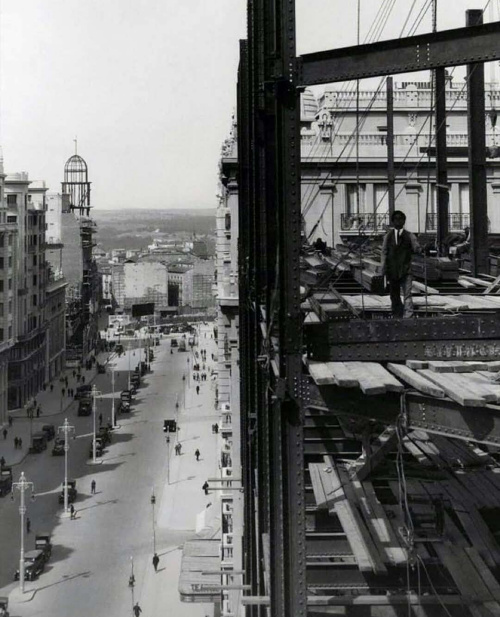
[{"x": 112, "y": 534}]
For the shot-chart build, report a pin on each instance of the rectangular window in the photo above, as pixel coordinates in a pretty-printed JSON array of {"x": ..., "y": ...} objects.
[
  {"x": 35, "y": 300},
  {"x": 1, "y": 285},
  {"x": 10, "y": 331},
  {"x": 10, "y": 283},
  {"x": 35, "y": 260},
  {"x": 35, "y": 279},
  {"x": 1, "y": 263},
  {"x": 10, "y": 262},
  {"x": 11, "y": 200},
  {"x": 10, "y": 240},
  {"x": 10, "y": 306},
  {"x": 12, "y": 218},
  {"x": 35, "y": 239},
  {"x": 355, "y": 198}
]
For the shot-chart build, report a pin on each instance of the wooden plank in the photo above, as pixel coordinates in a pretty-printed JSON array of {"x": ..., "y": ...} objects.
[
  {"x": 389, "y": 381},
  {"x": 461, "y": 395},
  {"x": 463, "y": 573},
  {"x": 475, "y": 281},
  {"x": 483, "y": 570},
  {"x": 342, "y": 374},
  {"x": 369, "y": 384},
  {"x": 415, "y": 380},
  {"x": 416, "y": 285},
  {"x": 492, "y": 285},
  {"x": 416, "y": 364},
  {"x": 350, "y": 524},
  {"x": 318, "y": 487},
  {"x": 464, "y": 283},
  {"x": 415, "y": 451},
  {"x": 321, "y": 373},
  {"x": 494, "y": 366},
  {"x": 440, "y": 366},
  {"x": 366, "y": 464},
  {"x": 354, "y": 520}
]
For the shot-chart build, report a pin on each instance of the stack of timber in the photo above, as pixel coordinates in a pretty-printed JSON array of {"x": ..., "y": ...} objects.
[
  {"x": 470, "y": 384},
  {"x": 434, "y": 268}
]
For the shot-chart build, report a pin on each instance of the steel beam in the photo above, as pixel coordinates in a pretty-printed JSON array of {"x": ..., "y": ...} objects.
[
  {"x": 443, "y": 192},
  {"x": 478, "y": 43},
  {"x": 477, "y": 160},
  {"x": 390, "y": 146}
]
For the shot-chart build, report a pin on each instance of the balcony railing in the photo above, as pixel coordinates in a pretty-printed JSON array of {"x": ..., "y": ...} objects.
[
  {"x": 363, "y": 222},
  {"x": 456, "y": 221}
]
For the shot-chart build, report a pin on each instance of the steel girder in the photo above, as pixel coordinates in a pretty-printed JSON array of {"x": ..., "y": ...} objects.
[
  {"x": 478, "y": 43},
  {"x": 274, "y": 438}
]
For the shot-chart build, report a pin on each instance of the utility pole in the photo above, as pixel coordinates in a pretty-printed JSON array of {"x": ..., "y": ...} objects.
[
  {"x": 22, "y": 486},
  {"x": 390, "y": 149},
  {"x": 95, "y": 394},
  {"x": 129, "y": 348},
  {"x": 66, "y": 428},
  {"x": 113, "y": 421}
]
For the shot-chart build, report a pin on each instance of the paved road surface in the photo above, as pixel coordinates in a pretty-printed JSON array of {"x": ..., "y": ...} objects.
[{"x": 91, "y": 562}]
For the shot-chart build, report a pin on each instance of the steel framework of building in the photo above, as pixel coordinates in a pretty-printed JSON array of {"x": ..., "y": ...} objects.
[{"x": 274, "y": 394}]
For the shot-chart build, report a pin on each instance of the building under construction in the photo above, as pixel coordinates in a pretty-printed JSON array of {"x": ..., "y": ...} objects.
[
  {"x": 78, "y": 231},
  {"x": 369, "y": 443}
]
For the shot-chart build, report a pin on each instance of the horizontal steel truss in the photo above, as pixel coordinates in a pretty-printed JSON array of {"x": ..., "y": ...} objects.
[
  {"x": 415, "y": 53},
  {"x": 438, "y": 416}
]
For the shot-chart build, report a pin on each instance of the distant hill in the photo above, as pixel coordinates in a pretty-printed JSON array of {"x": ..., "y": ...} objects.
[{"x": 136, "y": 228}]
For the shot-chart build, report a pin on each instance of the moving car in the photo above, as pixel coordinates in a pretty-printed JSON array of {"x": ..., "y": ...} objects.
[
  {"x": 38, "y": 443},
  {"x": 58, "y": 449},
  {"x": 182, "y": 345},
  {"x": 49, "y": 430},
  {"x": 72, "y": 492},
  {"x": 85, "y": 407},
  {"x": 174, "y": 343},
  {"x": 83, "y": 391},
  {"x": 43, "y": 543},
  {"x": 169, "y": 426},
  {"x": 34, "y": 563}
]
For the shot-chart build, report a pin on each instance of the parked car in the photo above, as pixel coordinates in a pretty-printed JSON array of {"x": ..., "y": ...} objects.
[
  {"x": 49, "y": 430},
  {"x": 119, "y": 348},
  {"x": 123, "y": 407},
  {"x": 99, "y": 446},
  {"x": 5, "y": 480},
  {"x": 58, "y": 449},
  {"x": 101, "y": 368},
  {"x": 34, "y": 563},
  {"x": 43, "y": 543},
  {"x": 126, "y": 395},
  {"x": 83, "y": 391},
  {"x": 105, "y": 435},
  {"x": 38, "y": 443},
  {"x": 174, "y": 342},
  {"x": 72, "y": 492}
]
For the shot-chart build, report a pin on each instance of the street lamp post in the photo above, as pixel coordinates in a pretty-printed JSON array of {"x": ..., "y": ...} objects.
[
  {"x": 95, "y": 394},
  {"x": 66, "y": 428},
  {"x": 129, "y": 348},
  {"x": 113, "y": 399},
  {"x": 22, "y": 485},
  {"x": 153, "y": 501},
  {"x": 131, "y": 581}
]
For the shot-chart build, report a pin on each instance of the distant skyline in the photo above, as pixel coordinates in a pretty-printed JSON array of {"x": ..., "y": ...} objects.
[{"x": 147, "y": 87}]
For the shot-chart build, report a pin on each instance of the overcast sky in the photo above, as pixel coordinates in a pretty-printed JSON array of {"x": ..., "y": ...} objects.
[{"x": 147, "y": 86}]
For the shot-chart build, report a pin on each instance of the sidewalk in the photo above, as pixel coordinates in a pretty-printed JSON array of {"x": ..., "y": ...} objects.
[
  {"x": 52, "y": 403},
  {"x": 183, "y": 499}
]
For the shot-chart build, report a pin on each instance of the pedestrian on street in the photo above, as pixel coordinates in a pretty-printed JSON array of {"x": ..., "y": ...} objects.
[
  {"x": 213, "y": 428},
  {"x": 205, "y": 487},
  {"x": 137, "y": 610},
  {"x": 10, "y": 420},
  {"x": 2, "y": 461},
  {"x": 66, "y": 381},
  {"x": 38, "y": 411},
  {"x": 197, "y": 389},
  {"x": 156, "y": 561},
  {"x": 28, "y": 525},
  {"x": 72, "y": 512},
  {"x": 216, "y": 428},
  {"x": 197, "y": 454},
  {"x": 16, "y": 443},
  {"x": 63, "y": 391},
  {"x": 83, "y": 378},
  {"x": 5, "y": 431},
  {"x": 100, "y": 419},
  {"x": 74, "y": 374},
  {"x": 51, "y": 387},
  {"x": 179, "y": 444},
  {"x": 92, "y": 487},
  {"x": 20, "y": 442}
]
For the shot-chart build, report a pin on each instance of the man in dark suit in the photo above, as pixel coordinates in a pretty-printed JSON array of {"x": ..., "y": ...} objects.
[{"x": 397, "y": 249}]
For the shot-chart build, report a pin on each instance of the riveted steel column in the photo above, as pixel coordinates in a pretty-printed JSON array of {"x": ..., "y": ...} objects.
[
  {"x": 443, "y": 194},
  {"x": 288, "y": 593},
  {"x": 477, "y": 159},
  {"x": 390, "y": 147}
]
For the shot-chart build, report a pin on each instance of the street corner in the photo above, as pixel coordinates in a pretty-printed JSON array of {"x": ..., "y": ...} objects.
[{"x": 17, "y": 597}]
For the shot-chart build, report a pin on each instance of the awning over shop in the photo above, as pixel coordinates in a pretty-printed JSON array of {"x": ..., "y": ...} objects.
[{"x": 199, "y": 559}]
